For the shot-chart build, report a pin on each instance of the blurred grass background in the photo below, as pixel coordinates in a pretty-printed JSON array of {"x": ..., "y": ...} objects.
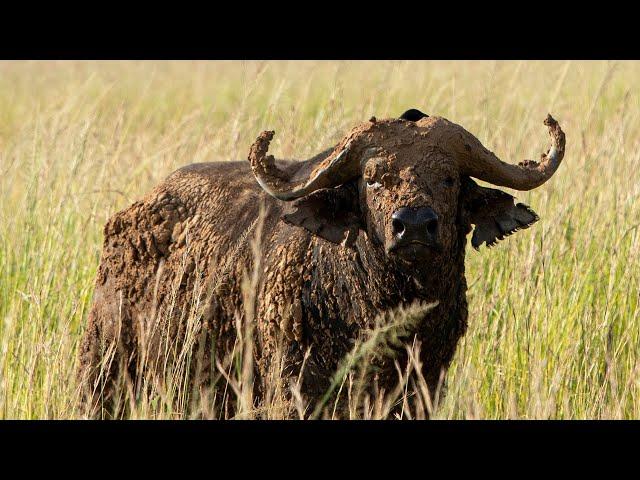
[{"x": 553, "y": 311}]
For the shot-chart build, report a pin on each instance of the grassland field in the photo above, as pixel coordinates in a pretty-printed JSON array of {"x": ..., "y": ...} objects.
[{"x": 554, "y": 319}]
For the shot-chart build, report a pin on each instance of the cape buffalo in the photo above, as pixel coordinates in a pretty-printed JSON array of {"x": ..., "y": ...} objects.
[{"x": 325, "y": 245}]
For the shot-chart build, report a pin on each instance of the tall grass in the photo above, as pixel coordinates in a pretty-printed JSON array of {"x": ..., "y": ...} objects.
[{"x": 554, "y": 318}]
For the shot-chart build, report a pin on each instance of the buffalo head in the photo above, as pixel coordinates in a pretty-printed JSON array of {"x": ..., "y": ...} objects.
[{"x": 406, "y": 183}]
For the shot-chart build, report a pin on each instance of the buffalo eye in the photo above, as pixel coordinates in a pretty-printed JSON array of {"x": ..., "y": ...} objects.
[
  {"x": 373, "y": 172},
  {"x": 449, "y": 181}
]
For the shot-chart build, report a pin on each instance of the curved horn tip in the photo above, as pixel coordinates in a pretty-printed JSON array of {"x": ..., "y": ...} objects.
[
  {"x": 554, "y": 129},
  {"x": 260, "y": 147},
  {"x": 557, "y": 135},
  {"x": 264, "y": 139},
  {"x": 550, "y": 121}
]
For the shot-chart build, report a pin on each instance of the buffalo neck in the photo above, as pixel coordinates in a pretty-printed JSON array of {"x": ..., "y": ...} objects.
[{"x": 391, "y": 284}]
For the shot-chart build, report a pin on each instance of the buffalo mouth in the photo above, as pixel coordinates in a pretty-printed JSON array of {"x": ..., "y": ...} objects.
[{"x": 414, "y": 250}]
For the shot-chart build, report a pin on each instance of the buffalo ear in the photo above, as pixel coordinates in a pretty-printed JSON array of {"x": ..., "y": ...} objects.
[
  {"x": 330, "y": 213},
  {"x": 494, "y": 213}
]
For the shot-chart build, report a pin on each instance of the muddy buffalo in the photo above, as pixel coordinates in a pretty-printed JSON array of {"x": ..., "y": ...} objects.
[{"x": 324, "y": 245}]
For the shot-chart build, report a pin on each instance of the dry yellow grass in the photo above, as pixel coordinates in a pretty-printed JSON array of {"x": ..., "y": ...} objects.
[{"x": 554, "y": 319}]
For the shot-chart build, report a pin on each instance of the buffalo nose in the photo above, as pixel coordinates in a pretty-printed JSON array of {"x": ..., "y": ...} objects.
[{"x": 415, "y": 225}]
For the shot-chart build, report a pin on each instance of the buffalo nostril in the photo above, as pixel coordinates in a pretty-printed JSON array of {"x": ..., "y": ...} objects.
[
  {"x": 398, "y": 227},
  {"x": 432, "y": 227}
]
